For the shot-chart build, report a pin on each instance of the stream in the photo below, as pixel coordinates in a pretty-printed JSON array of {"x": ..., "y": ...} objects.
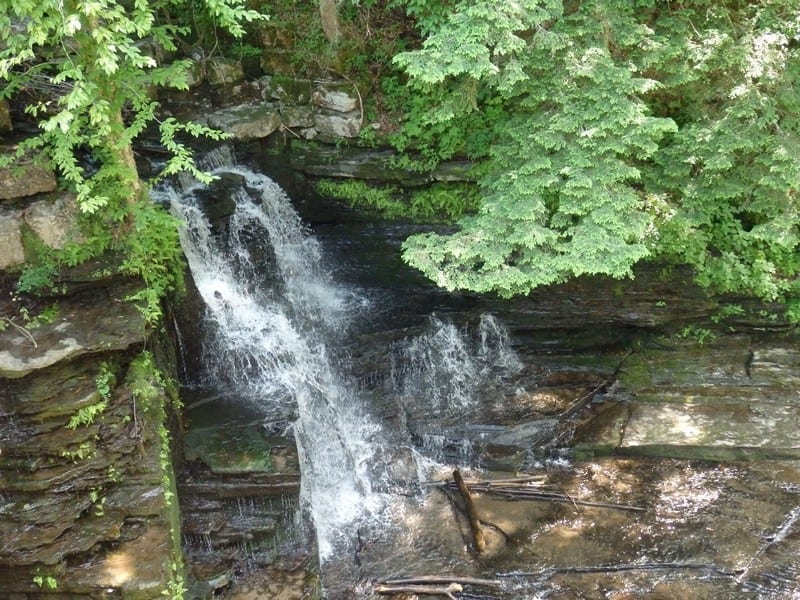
[{"x": 319, "y": 338}]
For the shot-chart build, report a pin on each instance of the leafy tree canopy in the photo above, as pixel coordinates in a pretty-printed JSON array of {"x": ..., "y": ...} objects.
[
  {"x": 630, "y": 130},
  {"x": 97, "y": 62}
]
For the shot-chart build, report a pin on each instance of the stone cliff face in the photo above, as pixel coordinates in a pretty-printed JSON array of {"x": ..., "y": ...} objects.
[
  {"x": 84, "y": 508},
  {"x": 85, "y": 472}
]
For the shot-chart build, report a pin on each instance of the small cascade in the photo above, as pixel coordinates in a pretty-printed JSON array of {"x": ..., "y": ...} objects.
[
  {"x": 446, "y": 366},
  {"x": 443, "y": 377}
]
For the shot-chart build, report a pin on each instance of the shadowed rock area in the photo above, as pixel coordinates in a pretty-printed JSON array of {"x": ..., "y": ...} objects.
[{"x": 83, "y": 507}]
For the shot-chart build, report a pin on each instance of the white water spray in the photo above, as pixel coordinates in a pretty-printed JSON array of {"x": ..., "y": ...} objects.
[
  {"x": 275, "y": 321},
  {"x": 269, "y": 342},
  {"x": 445, "y": 366}
]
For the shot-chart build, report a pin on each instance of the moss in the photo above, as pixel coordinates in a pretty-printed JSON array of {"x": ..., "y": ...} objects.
[{"x": 154, "y": 395}]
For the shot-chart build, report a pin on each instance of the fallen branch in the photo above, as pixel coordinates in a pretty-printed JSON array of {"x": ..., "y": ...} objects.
[
  {"x": 436, "y": 579},
  {"x": 472, "y": 516},
  {"x": 21, "y": 330},
  {"x": 528, "y": 492},
  {"x": 582, "y": 401},
  {"x": 779, "y": 536},
  {"x": 650, "y": 566},
  {"x": 427, "y": 590}
]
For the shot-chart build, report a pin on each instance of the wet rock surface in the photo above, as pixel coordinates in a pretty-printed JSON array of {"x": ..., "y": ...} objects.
[
  {"x": 83, "y": 505},
  {"x": 686, "y": 448},
  {"x": 239, "y": 493},
  {"x": 733, "y": 398}
]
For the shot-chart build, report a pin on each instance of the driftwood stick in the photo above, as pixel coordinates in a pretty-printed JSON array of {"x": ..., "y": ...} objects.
[
  {"x": 426, "y": 590},
  {"x": 516, "y": 481},
  {"x": 521, "y": 481},
  {"x": 477, "y": 533},
  {"x": 22, "y": 331},
  {"x": 650, "y": 566},
  {"x": 582, "y": 401},
  {"x": 542, "y": 495},
  {"x": 436, "y": 579},
  {"x": 779, "y": 536}
]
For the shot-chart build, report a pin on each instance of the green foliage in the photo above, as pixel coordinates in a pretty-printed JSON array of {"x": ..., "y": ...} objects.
[
  {"x": 559, "y": 189},
  {"x": 82, "y": 451},
  {"x": 726, "y": 312},
  {"x": 104, "y": 382},
  {"x": 728, "y": 178},
  {"x": 444, "y": 201},
  {"x": 153, "y": 253},
  {"x": 87, "y": 414},
  {"x": 146, "y": 382},
  {"x": 47, "y": 582},
  {"x": 88, "y": 68},
  {"x": 435, "y": 203},
  {"x": 46, "y": 316},
  {"x": 40, "y": 272},
  {"x": 627, "y": 131},
  {"x": 701, "y": 335},
  {"x": 149, "y": 389},
  {"x": 428, "y": 15},
  {"x": 36, "y": 279}
]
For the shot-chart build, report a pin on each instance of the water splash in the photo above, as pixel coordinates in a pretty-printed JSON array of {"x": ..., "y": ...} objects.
[{"x": 446, "y": 367}]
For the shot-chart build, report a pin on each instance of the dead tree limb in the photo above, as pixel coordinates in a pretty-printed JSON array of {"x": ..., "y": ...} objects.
[
  {"x": 535, "y": 493},
  {"x": 427, "y": 590},
  {"x": 477, "y": 533},
  {"x": 437, "y": 579},
  {"x": 650, "y": 566},
  {"x": 582, "y": 401}
]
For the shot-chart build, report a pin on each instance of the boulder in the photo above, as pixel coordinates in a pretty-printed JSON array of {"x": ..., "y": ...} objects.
[
  {"x": 221, "y": 71},
  {"x": 196, "y": 73},
  {"x": 287, "y": 90},
  {"x": 297, "y": 116},
  {"x": 277, "y": 62},
  {"x": 54, "y": 222},
  {"x": 337, "y": 97},
  {"x": 25, "y": 178},
  {"x": 247, "y": 121},
  {"x": 343, "y": 125},
  {"x": 12, "y": 252}
]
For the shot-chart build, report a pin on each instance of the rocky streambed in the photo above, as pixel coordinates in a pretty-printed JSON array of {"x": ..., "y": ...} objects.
[{"x": 668, "y": 439}]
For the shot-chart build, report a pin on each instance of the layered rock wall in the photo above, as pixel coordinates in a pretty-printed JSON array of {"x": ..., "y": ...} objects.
[
  {"x": 85, "y": 506},
  {"x": 86, "y": 485}
]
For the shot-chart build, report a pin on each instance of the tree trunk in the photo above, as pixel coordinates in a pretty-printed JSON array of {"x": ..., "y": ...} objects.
[{"x": 329, "y": 14}]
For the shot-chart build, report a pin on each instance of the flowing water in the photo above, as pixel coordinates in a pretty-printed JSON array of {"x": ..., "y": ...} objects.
[
  {"x": 379, "y": 409},
  {"x": 276, "y": 337}
]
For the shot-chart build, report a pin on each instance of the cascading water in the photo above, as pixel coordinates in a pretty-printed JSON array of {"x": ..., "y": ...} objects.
[
  {"x": 277, "y": 328},
  {"x": 270, "y": 342},
  {"x": 447, "y": 368}
]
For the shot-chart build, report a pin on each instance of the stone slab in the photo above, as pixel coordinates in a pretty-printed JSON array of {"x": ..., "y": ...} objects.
[
  {"x": 247, "y": 121},
  {"x": 727, "y": 431},
  {"x": 25, "y": 179},
  {"x": 107, "y": 325},
  {"x": 12, "y": 252}
]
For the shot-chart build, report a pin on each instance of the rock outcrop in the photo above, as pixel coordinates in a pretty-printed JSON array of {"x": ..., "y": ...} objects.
[{"x": 86, "y": 505}]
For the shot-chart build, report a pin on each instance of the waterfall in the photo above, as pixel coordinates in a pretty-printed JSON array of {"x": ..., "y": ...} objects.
[
  {"x": 271, "y": 338},
  {"x": 276, "y": 325}
]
